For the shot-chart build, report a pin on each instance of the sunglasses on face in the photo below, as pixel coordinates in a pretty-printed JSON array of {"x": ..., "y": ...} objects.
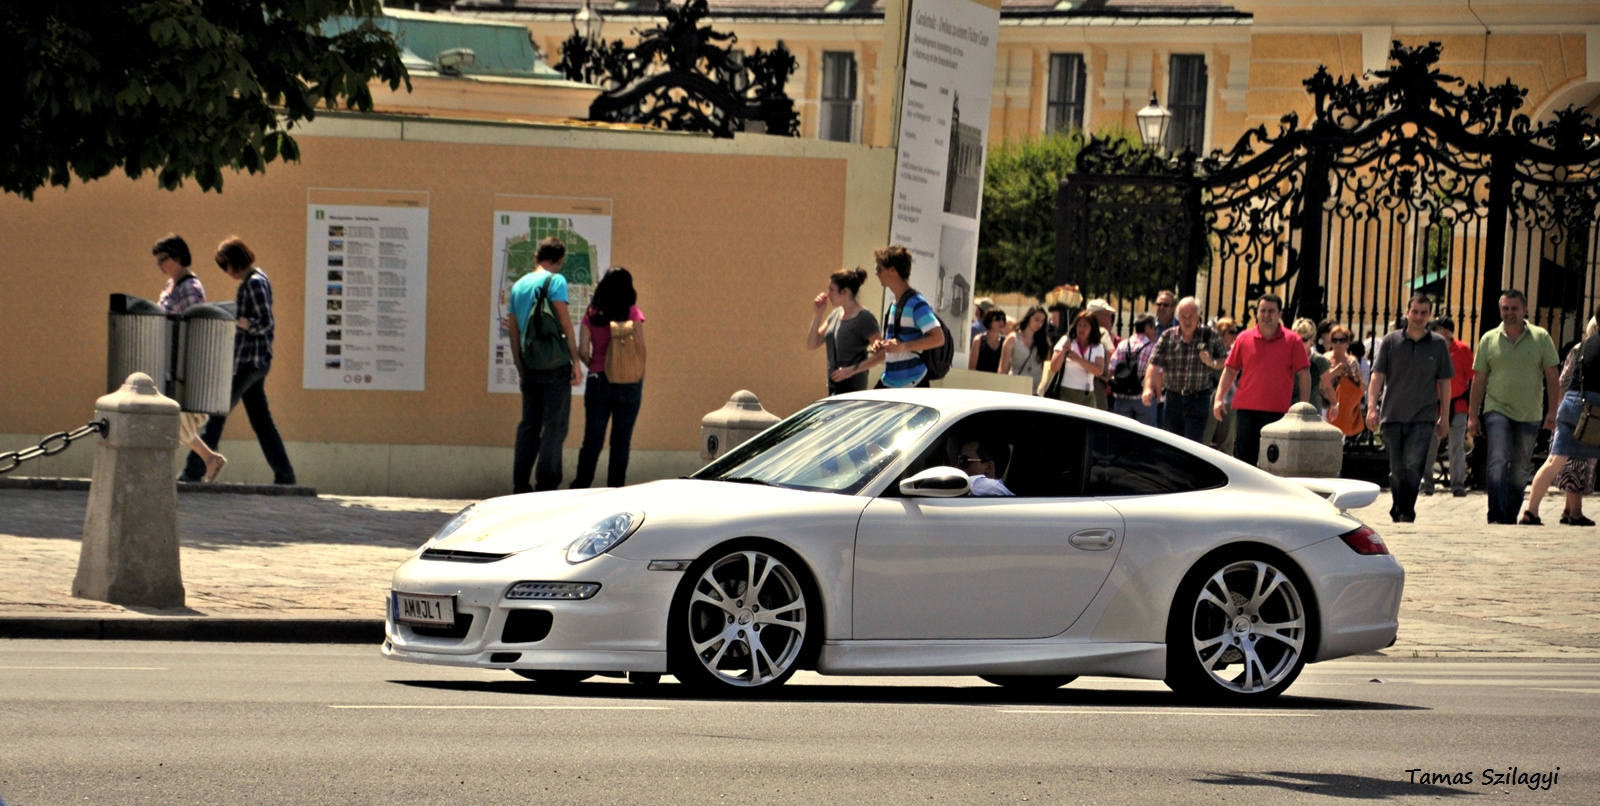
[{"x": 1339, "y": 341}]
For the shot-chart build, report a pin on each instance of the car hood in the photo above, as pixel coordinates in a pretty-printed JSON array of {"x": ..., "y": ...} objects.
[{"x": 517, "y": 523}]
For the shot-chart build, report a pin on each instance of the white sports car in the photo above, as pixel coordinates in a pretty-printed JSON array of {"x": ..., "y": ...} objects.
[{"x": 848, "y": 539}]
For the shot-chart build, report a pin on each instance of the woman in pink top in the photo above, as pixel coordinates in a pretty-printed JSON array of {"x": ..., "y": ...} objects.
[{"x": 604, "y": 400}]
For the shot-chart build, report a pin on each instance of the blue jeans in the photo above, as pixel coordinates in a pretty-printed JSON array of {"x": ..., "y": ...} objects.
[
  {"x": 1135, "y": 408},
  {"x": 1510, "y": 446},
  {"x": 1458, "y": 456},
  {"x": 546, "y": 405},
  {"x": 1186, "y": 414},
  {"x": 602, "y": 401},
  {"x": 249, "y": 388},
  {"x": 1407, "y": 446}
]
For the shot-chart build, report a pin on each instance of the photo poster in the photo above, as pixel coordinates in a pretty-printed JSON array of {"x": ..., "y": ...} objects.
[
  {"x": 366, "y": 289},
  {"x": 520, "y": 223},
  {"x": 944, "y": 134}
]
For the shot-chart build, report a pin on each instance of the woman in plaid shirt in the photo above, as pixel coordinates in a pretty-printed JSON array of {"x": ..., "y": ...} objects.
[
  {"x": 252, "y": 360},
  {"x": 182, "y": 292}
]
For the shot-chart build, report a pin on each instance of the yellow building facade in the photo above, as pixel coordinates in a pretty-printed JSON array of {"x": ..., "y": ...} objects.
[{"x": 1242, "y": 63}]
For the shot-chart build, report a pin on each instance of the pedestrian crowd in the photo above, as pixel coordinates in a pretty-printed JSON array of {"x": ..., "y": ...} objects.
[{"x": 1416, "y": 388}]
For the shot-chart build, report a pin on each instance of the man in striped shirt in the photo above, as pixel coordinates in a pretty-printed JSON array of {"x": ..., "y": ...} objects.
[{"x": 911, "y": 325}]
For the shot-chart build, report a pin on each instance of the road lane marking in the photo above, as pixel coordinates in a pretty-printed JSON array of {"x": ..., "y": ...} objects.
[
  {"x": 1572, "y": 690},
  {"x": 1124, "y": 712},
  {"x": 89, "y": 668},
  {"x": 501, "y": 707}
]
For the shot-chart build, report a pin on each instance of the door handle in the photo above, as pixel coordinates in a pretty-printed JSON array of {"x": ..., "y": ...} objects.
[{"x": 1094, "y": 539}]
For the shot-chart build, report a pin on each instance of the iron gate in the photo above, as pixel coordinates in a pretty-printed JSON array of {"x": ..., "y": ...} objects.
[{"x": 1414, "y": 181}]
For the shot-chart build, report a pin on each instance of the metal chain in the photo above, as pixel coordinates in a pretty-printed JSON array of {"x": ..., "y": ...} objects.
[{"x": 49, "y": 447}]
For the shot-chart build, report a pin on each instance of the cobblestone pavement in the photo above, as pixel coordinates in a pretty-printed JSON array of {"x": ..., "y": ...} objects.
[{"x": 1472, "y": 590}]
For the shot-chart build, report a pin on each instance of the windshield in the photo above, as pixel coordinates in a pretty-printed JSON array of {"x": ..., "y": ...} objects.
[{"x": 834, "y": 446}]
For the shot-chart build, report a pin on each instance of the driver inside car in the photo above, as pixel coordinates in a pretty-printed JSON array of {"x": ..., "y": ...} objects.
[{"x": 977, "y": 460}]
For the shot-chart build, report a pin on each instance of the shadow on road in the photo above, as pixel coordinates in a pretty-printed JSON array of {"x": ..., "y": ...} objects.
[
  {"x": 984, "y": 695},
  {"x": 1357, "y": 787}
]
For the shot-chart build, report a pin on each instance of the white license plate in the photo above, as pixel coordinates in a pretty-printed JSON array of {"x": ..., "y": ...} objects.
[{"x": 419, "y": 608}]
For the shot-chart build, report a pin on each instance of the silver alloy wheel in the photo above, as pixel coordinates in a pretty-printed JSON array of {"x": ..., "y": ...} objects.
[
  {"x": 747, "y": 619},
  {"x": 1248, "y": 627}
]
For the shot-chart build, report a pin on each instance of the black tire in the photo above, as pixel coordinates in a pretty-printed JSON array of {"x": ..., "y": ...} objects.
[
  {"x": 722, "y": 641},
  {"x": 1231, "y": 642},
  {"x": 1023, "y": 682},
  {"x": 554, "y": 678}
]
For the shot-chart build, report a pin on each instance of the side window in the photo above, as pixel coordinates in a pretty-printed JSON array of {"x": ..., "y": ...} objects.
[
  {"x": 1039, "y": 455},
  {"x": 1121, "y": 462}
]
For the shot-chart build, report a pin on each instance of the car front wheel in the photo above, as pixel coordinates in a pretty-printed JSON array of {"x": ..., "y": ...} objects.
[
  {"x": 742, "y": 623},
  {"x": 1239, "y": 630}
]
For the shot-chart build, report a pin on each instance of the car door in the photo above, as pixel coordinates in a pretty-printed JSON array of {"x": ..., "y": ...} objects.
[{"x": 988, "y": 568}]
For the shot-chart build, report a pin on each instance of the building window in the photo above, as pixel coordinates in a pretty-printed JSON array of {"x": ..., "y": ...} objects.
[
  {"x": 1064, "y": 107},
  {"x": 838, "y": 97},
  {"x": 1186, "y": 98}
]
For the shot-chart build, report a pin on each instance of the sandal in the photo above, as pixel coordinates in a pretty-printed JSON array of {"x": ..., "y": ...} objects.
[
  {"x": 1530, "y": 519},
  {"x": 213, "y": 472},
  {"x": 1575, "y": 520}
]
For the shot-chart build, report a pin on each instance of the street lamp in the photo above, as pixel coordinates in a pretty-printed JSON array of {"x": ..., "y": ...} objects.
[
  {"x": 1153, "y": 121},
  {"x": 586, "y": 22}
]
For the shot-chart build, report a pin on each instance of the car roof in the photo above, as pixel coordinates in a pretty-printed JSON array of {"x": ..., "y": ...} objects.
[{"x": 956, "y": 403}]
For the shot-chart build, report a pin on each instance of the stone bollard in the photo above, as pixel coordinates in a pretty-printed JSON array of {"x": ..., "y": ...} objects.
[
  {"x": 1302, "y": 444},
  {"x": 739, "y": 420},
  {"x": 130, "y": 533}
]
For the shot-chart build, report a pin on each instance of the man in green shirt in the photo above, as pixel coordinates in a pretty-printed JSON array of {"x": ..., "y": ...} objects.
[{"x": 1511, "y": 364}]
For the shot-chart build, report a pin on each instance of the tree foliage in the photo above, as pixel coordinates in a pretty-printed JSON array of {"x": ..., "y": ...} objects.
[
  {"x": 180, "y": 88},
  {"x": 1017, "y": 236}
]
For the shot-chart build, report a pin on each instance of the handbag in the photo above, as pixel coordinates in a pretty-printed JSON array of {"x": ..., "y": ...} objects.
[
  {"x": 1587, "y": 431},
  {"x": 544, "y": 346}
]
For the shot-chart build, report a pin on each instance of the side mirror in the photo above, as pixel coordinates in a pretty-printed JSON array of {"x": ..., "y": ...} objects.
[{"x": 937, "y": 482}]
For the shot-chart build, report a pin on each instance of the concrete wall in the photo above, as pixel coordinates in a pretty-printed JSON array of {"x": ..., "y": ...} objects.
[{"x": 728, "y": 242}]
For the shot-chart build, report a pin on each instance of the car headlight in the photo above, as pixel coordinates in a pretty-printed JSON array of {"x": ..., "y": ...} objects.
[
  {"x": 601, "y": 537},
  {"x": 449, "y": 528}
]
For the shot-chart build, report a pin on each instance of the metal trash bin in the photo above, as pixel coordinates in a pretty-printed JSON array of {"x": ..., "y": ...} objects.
[
  {"x": 203, "y": 361},
  {"x": 140, "y": 341}
]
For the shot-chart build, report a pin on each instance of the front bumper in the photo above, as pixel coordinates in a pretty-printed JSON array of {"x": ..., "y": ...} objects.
[{"x": 623, "y": 628}]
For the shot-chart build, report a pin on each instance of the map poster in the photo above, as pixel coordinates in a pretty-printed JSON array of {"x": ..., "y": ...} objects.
[
  {"x": 944, "y": 131},
  {"x": 366, "y": 289},
  {"x": 520, "y": 223}
]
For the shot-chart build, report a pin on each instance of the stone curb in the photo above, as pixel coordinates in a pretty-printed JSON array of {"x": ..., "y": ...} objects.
[
  {"x": 233, "y": 630},
  {"x": 45, "y": 483}
]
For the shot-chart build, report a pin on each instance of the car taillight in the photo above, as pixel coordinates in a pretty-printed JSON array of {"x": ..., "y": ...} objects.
[{"x": 1364, "y": 541}]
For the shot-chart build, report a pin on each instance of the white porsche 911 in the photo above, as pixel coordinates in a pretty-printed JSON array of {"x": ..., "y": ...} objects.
[{"x": 872, "y": 534}]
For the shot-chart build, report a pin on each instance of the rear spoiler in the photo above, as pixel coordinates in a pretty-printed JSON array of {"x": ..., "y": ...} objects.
[{"x": 1342, "y": 493}]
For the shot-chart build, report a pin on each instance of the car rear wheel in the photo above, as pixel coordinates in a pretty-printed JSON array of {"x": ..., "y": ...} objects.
[
  {"x": 1239, "y": 630},
  {"x": 1024, "y": 682},
  {"x": 742, "y": 624},
  {"x": 554, "y": 677}
]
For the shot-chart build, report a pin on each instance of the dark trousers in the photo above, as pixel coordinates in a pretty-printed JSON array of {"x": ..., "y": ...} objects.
[
  {"x": 546, "y": 406},
  {"x": 602, "y": 401},
  {"x": 1186, "y": 413},
  {"x": 249, "y": 388},
  {"x": 1407, "y": 446},
  {"x": 1247, "y": 425},
  {"x": 922, "y": 384},
  {"x": 1510, "y": 448}
]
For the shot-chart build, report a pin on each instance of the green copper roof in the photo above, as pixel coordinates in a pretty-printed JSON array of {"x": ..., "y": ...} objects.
[{"x": 501, "y": 49}]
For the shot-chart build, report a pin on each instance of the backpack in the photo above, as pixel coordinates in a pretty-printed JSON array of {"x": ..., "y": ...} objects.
[
  {"x": 624, "y": 355},
  {"x": 1125, "y": 380},
  {"x": 544, "y": 345},
  {"x": 936, "y": 360}
]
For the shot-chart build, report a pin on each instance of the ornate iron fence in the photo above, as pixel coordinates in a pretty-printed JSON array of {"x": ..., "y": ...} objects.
[{"x": 1413, "y": 181}]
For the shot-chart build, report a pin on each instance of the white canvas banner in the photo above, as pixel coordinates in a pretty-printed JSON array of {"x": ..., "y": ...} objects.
[
  {"x": 944, "y": 131},
  {"x": 366, "y": 289}
]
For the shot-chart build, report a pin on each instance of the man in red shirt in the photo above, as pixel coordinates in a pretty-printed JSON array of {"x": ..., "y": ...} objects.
[
  {"x": 1460, "y": 390},
  {"x": 1271, "y": 364}
]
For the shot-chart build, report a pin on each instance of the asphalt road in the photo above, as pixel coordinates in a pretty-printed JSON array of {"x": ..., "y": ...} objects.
[{"x": 140, "y": 722}]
